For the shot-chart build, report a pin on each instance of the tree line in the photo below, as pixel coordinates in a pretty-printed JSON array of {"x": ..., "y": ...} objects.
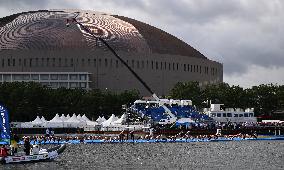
[
  {"x": 26, "y": 100},
  {"x": 264, "y": 98}
]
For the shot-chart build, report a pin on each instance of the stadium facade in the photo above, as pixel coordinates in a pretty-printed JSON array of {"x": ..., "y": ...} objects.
[{"x": 38, "y": 46}]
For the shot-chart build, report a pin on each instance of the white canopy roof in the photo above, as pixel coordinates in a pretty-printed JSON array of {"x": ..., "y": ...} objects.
[
  {"x": 43, "y": 119},
  {"x": 110, "y": 120},
  {"x": 37, "y": 121},
  {"x": 85, "y": 118},
  {"x": 67, "y": 117},
  {"x": 103, "y": 119},
  {"x": 63, "y": 118},
  {"x": 99, "y": 120},
  {"x": 91, "y": 123},
  {"x": 79, "y": 117},
  {"x": 73, "y": 119},
  {"x": 121, "y": 119},
  {"x": 56, "y": 119}
]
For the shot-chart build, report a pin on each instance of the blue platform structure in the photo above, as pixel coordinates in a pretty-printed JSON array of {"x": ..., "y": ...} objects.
[{"x": 158, "y": 113}]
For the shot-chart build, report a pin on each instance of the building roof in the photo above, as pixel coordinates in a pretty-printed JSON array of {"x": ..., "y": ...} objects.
[{"x": 47, "y": 30}]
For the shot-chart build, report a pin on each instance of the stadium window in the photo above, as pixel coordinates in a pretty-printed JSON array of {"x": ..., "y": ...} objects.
[
  {"x": 106, "y": 63},
  {"x": 71, "y": 62},
  {"x": 116, "y": 63},
  {"x": 184, "y": 67},
  {"x": 157, "y": 65},
  {"x": 173, "y": 66},
  {"x": 89, "y": 62},
  {"x": 31, "y": 61},
  {"x": 36, "y": 62},
  {"x": 20, "y": 62},
  {"x": 2, "y": 62},
  {"x": 95, "y": 63},
  {"x": 161, "y": 66},
  {"x": 152, "y": 65},
  {"x": 53, "y": 62},
  {"x": 177, "y": 66},
  {"x": 200, "y": 69},
  {"x": 165, "y": 66},
  {"x": 147, "y": 64},
  {"x": 59, "y": 62},
  {"x": 65, "y": 62},
  {"x": 8, "y": 62},
  {"x": 83, "y": 62},
  {"x": 190, "y": 68},
  {"x": 194, "y": 68},
  {"x": 14, "y": 62},
  {"x": 100, "y": 62},
  {"x": 169, "y": 66},
  {"x": 47, "y": 62},
  {"x": 132, "y": 63}
]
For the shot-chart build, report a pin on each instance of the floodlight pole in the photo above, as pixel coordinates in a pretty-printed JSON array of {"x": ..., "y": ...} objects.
[{"x": 114, "y": 53}]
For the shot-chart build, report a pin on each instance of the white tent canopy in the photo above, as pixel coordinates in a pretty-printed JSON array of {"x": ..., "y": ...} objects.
[
  {"x": 63, "y": 118},
  {"x": 56, "y": 119},
  {"x": 79, "y": 117},
  {"x": 85, "y": 118},
  {"x": 103, "y": 119},
  {"x": 74, "y": 122},
  {"x": 55, "y": 122},
  {"x": 98, "y": 119},
  {"x": 121, "y": 120},
  {"x": 67, "y": 117},
  {"x": 43, "y": 119},
  {"x": 73, "y": 119},
  {"x": 37, "y": 121},
  {"x": 110, "y": 120}
]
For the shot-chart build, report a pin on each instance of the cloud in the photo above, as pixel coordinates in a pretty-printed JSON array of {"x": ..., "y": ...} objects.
[
  {"x": 257, "y": 75},
  {"x": 237, "y": 33}
]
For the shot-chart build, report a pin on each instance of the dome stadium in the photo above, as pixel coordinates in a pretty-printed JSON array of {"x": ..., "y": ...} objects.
[{"x": 38, "y": 46}]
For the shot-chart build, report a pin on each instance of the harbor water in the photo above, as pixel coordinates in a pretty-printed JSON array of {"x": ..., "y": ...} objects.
[{"x": 196, "y": 155}]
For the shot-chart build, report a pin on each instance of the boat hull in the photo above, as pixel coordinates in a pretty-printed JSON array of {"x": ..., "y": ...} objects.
[{"x": 47, "y": 155}]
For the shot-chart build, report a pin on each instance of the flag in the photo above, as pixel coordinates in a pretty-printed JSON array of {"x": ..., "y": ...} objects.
[{"x": 4, "y": 125}]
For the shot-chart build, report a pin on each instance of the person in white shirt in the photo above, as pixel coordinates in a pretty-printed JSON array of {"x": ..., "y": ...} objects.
[{"x": 35, "y": 150}]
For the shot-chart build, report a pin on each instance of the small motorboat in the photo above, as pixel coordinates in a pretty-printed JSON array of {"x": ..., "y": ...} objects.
[
  {"x": 43, "y": 155},
  {"x": 5, "y": 138}
]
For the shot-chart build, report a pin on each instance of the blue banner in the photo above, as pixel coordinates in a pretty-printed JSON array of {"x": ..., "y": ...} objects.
[{"x": 4, "y": 125}]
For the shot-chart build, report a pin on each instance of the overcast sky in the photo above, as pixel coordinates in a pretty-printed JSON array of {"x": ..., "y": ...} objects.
[{"x": 245, "y": 35}]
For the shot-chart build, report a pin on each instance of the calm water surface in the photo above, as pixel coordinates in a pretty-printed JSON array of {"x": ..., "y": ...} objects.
[{"x": 198, "y": 155}]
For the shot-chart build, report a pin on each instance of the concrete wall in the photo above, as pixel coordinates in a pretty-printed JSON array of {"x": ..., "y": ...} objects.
[{"x": 107, "y": 74}]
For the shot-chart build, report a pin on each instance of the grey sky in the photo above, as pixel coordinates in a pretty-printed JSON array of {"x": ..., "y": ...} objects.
[{"x": 245, "y": 35}]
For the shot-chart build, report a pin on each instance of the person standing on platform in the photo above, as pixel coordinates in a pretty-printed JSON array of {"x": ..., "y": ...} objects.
[
  {"x": 27, "y": 146},
  {"x": 132, "y": 135},
  {"x": 52, "y": 133},
  {"x": 47, "y": 132}
]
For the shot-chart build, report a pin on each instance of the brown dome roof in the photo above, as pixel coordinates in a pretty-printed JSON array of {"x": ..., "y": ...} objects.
[{"x": 47, "y": 30}]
